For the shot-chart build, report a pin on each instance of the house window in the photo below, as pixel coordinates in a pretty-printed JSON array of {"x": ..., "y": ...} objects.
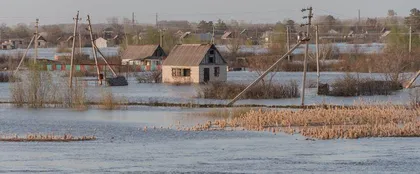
[
  {"x": 178, "y": 72},
  {"x": 211, "y": 56},
  {"x": 216, "y": 71},
  {"x": 20, "y": 42}
]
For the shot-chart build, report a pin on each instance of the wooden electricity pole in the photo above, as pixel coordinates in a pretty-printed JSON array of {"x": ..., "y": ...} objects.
[
  {"x": 288, "y": 41},
  {"x": 318, "y": 73},
  {"x": 36, "y": 40},
  {"x": 76, "y": 23},
  {"x": 95, "y": 55},
  {"x": 410, "y": 40},
  {"x": 305, "y": 60},
  {"x": 265, "y": 73}
]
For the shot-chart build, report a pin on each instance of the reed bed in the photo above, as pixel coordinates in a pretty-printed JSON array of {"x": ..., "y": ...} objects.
[
  {"x": 327, "y": 123},
  {"x": 45, "y": 138}
]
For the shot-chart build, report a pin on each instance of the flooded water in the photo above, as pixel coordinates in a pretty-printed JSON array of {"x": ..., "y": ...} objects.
[
  {"x": 137, "y": 92},
  {"x": 123, "y": 148}
]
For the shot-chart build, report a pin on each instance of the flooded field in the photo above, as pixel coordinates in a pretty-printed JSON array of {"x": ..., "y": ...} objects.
[
  {"x": 123, "y": 145},
  {"x": 136, "y": 92}
]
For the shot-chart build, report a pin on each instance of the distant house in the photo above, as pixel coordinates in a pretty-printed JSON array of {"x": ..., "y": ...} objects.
[
  {"x": 194, "y": 63},
  {"x": 196, "y": 37},
  {"x": 101, "y": 42},
  {"x": 42, "y": 42},
  {"x": 143, "y": 55},
  {"x": 6, "y": 45}
]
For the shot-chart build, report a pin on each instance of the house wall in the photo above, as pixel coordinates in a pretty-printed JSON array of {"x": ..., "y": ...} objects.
[
  {"x": 168, "y": 78},
  {"x": 222, "y": 76}
]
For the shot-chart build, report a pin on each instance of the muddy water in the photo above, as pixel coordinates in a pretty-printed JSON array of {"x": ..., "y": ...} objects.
[{"x": 122, "y": 147}]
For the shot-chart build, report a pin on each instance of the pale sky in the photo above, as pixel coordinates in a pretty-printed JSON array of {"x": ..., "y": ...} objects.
[{"x": 255, "y": 11}]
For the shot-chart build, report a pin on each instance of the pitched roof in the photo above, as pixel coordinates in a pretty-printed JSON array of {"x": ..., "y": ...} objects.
[
  {"x": 139, "y": 51},
  {"x": 187, "y": 54},
  {"x": 226, "y": 35}
]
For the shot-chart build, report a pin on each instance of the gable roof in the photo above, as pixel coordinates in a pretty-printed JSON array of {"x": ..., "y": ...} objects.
[
  {"x": 226, "y": 35},
  {"x": 139, "y": 51},
  {"x": 188, "y": 54}
]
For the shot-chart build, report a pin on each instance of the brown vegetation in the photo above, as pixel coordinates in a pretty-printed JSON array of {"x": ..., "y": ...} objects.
[
  {"x": 352, "y": 86},
  {"x": 45, "y": 138},
  {"x": 221, "y": 90},
  {"x": 328, "y": 123}
]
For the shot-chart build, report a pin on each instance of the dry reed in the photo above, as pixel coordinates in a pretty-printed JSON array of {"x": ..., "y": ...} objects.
[
  {"x": 45, "y": 138},
  {"x": 327, "y": 123}
]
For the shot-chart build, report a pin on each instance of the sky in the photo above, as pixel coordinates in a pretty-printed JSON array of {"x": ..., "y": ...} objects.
[{"x": 255, "y": 11}]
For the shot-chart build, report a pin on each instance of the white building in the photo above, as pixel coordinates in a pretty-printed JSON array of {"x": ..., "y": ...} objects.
[
  {"x": 194, "y": 63},
  {"x": 101, "y": 43}
]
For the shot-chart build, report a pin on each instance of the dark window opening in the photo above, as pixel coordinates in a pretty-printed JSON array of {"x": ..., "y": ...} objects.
[
  {"x": 216, "y": 71},
  {"x": 211, "y": 56}
]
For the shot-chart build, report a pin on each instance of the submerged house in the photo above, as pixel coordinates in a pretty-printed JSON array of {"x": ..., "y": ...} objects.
[
  {"x": 194, "y": 63},
  {"x": 149, "y": 55}
]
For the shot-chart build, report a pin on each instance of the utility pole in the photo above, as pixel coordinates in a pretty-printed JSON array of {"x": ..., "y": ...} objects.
[
  {"x": 160, "y": 37},
  {"x": 212, "y": 36},
  {"x": 157, "y": 20},
  {"x": 95, "y": 55},
  {"x": 318, "y": 73},
  {"x": 36, "y": 39},
  {"x": 288, "y": 41},
  {"x": 305, "y": 60},
  {"x": 76, "y": 23},
  {"x": 133, "y": 21},
  {"x": 410, "y": 40},
  {"x": 358, "y": 22}
]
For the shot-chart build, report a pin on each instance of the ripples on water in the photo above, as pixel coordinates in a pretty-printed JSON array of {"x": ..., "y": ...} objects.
[{"x": 122, "y": 147}]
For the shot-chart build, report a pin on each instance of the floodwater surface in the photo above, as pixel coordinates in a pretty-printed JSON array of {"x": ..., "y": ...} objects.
[{"x": 124, "y": 146}]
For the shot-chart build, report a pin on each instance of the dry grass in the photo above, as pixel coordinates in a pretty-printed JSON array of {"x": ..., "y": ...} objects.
[
  {"x": 45, "y": 138},
  {"x": 328, "y": 123},
  {"x": 221, "y": 90},
  {"x": 109, "y": 102},
  {"x": 37, "y": 89}
]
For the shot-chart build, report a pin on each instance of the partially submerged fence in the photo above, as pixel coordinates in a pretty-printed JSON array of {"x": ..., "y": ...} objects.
[{"x": 88, "y": 68}]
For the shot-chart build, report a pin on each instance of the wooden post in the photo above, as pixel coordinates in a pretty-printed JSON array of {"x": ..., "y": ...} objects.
[
  {"x": 103, "y": 57},
  {"x": 264, "y": 74},
  {"x": 410, "y": 41},
  {"x": 318, "y": 71},
  {"x": 24, "y": 55},
  {"x": 76, "y": 23},
  {"x": 160, "y": 37},
  {"x": 36, "y": 39},
  {"x": 288, "y": 41},
  {"x": 95, "y": 55},
  {"x": 413, "y": 80},
  {"x": 305, "y": 60}
]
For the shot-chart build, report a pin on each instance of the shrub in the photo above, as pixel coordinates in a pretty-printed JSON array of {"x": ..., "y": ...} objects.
[
  {"x": 351, "y": 86},
  {"x": 150, "y": 77},
  {"x": 221, "y": 90}
]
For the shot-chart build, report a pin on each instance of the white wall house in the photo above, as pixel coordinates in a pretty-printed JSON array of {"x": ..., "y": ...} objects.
[
  {"x": 101, "y": 43},
  {"x": 194, "y": 63}
]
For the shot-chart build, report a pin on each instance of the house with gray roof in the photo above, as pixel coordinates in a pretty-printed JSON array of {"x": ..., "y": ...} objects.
[{"x": 194, "y": 63}]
